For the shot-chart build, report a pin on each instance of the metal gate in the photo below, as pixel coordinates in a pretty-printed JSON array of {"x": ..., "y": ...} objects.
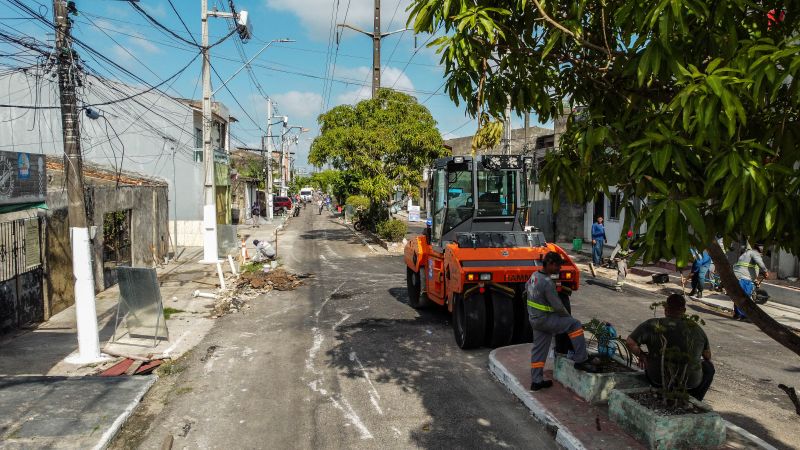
[{"x": 21, "y": 290}]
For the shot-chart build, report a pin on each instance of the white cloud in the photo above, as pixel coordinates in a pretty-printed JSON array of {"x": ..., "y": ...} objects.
[
  {"x": 144, "y": 44},
  {"x": 301, "y": 107},
  {"x": 391, "y": 77},
  {"x": 137, "y": 39},
  {"x": 122, "y": 55},
  {"x": 315, "y": 15}
]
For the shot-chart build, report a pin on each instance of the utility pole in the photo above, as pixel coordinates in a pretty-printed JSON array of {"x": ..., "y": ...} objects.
[
  {"x": 85, "y": 310},
  {"x": 507, "y": 128},
  {"x": 210, "y": 253},
  {"x": 376, "y": 36},
  {"x": 283, "y": 154},
  {"x": 268, "y": 169}
]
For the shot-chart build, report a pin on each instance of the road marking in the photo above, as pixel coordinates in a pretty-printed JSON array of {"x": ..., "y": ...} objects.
[
  {"x": 338, "y": 400},
  {"x": 351, "y": 415},
  {"x": 315, "y": 346},
  {"x": 374, "y": 396},
  {"x": 345, "y": 316},
  {"x": 327, "y": 299}
]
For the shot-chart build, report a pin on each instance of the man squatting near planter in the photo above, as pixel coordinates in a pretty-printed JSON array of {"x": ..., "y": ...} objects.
[
  {"x": 687, "y": 337},
  {"x": 549, "y": 317}
]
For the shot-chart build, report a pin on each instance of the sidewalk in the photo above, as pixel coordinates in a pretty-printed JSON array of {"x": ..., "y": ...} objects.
[
  {"x": 47, "y": 402},
  {"x": 639, "y": 278},
  {"x": 575, "y": 423}
]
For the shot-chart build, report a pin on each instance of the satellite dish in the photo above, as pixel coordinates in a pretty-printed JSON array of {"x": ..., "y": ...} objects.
[{"x": 245, "y": 26}]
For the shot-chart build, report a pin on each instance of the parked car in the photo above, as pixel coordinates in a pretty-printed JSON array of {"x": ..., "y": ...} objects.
[{"x": 281, "y": 204}]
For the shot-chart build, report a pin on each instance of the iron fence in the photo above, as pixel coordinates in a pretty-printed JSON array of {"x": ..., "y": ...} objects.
[{"x": 20, "y": 247}]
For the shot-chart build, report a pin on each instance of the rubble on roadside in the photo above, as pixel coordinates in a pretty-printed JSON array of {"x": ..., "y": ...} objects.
[
  {"x": 249, "y": 285},
  {"x": 278, "y": 279}
]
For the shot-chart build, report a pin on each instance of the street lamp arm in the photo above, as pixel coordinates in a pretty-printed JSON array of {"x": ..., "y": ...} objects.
[
  {"x": 248, "y": 62},
  {"x": 354, "y": 29},
  {"x": 383, "y": 35}
]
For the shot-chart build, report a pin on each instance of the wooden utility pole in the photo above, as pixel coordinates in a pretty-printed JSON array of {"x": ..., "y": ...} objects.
[
  {"x": 376, "y": 36},
  {"x": 85, "y": 310},
  {"x": 67, "y": 72}
]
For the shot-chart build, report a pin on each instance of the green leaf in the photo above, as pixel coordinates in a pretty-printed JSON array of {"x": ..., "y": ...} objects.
[
  {"x": 716, "y": 85},
  {"x": 770, "y": 214},
  {"x": 691, "y": 213},
  {"x": 671, "y": 223}
]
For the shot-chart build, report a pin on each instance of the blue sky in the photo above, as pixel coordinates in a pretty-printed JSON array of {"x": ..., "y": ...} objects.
[{"x": 293, "y": 74}]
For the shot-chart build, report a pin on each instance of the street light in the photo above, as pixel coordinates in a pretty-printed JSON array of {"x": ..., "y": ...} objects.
[{"x": 286, "y": 131}]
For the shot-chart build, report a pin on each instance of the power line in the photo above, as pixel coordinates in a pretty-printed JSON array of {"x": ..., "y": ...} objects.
[
  {"x": 160, "y": 25},
  {"x": 336, "y": 58},
  {"x": 185, "y": 27},
  {"x": 326, "y": 84},
  {"x": 415, "y": 54}
]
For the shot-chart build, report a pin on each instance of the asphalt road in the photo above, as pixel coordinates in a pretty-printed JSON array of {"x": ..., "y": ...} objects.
[
  {"x": 342, "y": 362},
  {"x": 749, "y": 364}
]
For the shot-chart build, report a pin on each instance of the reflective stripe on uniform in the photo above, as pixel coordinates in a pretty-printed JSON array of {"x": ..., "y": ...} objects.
[
  {"x": 540, "y": 306},
  {"x": 576, "y": 333},
  {"x": 537, "y": 365},
  {"x": 744, "y": 264}
]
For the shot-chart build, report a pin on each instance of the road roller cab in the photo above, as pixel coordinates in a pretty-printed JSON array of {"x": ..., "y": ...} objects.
[{"x": 477, "y": 253}]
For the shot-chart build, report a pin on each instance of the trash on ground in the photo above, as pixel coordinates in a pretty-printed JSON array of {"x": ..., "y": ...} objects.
[{"x": 129, "y": 366}]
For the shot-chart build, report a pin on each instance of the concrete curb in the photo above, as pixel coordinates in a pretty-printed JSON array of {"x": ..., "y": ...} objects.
[
  {"x": 630, "y": 286},
  {"x": 358, "y": 235},
  {"x": 586, "y": 276},
  {"x": 109, "y": 434},
  {"x": 562, "y": 434},
  {"x": 385, "y": 244},
  {"x": 755, "y": 440}
]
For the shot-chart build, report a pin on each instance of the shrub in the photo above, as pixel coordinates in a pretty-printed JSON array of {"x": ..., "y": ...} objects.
[
  {"x": 392, "y": 230},
  {"x": 357, "y": 202}
]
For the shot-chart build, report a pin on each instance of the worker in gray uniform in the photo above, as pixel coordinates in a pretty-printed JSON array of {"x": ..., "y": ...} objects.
[{"x": 549, "y": 317}]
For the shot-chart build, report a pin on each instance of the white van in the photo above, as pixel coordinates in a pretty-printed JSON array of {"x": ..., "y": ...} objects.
[{"x": 306, "y": 193}]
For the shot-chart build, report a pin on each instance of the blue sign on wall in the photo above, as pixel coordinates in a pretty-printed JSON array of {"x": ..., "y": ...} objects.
[{"x": 23, "y": 178}]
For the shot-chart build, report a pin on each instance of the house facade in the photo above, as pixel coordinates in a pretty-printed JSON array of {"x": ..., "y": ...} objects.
[{"x": 146, "y": 132}]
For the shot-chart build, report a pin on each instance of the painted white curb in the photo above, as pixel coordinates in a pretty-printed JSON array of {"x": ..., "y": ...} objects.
[
  {"x": 112, "y": 431},
  {"x": 755, "y": 440},
  {"x": 564, "y": 437}
]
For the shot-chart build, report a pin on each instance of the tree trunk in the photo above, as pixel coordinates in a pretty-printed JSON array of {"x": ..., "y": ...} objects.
[{"x": 762, "y": 320}]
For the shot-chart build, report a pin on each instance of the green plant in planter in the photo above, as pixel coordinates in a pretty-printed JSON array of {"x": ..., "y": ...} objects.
[
  {"x": 607, "y": 340},
  {"x": 392, "y": 230}
]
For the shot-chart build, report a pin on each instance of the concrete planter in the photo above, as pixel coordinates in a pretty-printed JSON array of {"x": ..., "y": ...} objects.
[
  {"x": 666, "y": 432},
  {"x": 595, "y": 388}
]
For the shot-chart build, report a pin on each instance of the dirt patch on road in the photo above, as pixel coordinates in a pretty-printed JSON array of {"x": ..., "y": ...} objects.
[{"x": 278, "y": 279}]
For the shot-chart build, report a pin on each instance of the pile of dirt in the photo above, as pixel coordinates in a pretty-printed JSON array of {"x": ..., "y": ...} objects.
[
  {"x": 654, "y": 401},
  {"x": 278, "y": 279}
]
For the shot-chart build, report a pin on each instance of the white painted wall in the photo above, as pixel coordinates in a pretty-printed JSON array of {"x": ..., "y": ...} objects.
[{"x": 148, "y": 126}]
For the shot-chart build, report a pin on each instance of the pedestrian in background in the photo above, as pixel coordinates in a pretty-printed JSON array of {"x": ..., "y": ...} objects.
[
  {"x": 700, "y": 267},
  {"x": 598, "y": 240},
  {"x": 255, "y": 212},
  {"x": 749, "y": 268},
  {"x": 620, "y": 255}
]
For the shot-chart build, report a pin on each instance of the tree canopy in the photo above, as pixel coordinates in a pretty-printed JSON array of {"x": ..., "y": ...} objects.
[
  {"x": 691, "y": 105},
  {"x": 382, "y": 143}
]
